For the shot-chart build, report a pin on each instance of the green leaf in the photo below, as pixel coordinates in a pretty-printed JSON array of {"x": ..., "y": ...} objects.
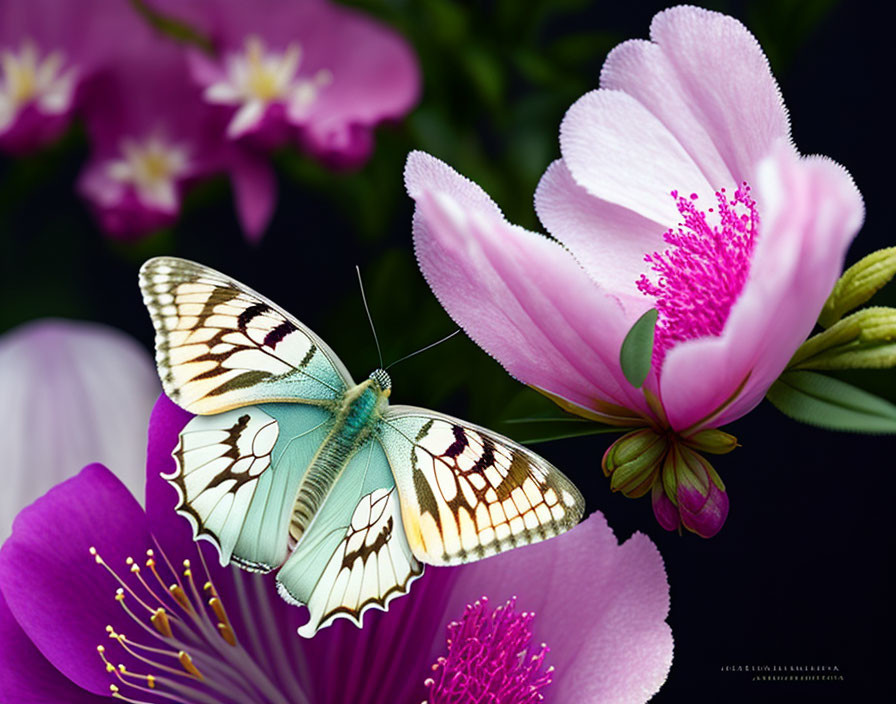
[
  {"x": 637, "y": 349},
  {"x": 829, "y": 403},
  {"x": 547, "y": 428},
  {"x": 858, "y": 284}
]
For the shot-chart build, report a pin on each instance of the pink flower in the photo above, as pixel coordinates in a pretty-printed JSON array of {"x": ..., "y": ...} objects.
[
  {"x": 307, "y": 72},
  {"x": 151, "y": 136},
  {"x": 679, "y": 190},
  {"x": 48, "y": 48}
]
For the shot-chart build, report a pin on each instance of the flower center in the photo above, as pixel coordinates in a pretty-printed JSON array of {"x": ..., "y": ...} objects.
[
  {"x": 153, "y": 167},
  {"x": 266, "y": 76},
  {"x": 701, "y": 275},
  {"x": 26, "y": 76},
  {"x": 490, "y": 659},
  {"x": 185, "y": 639}
]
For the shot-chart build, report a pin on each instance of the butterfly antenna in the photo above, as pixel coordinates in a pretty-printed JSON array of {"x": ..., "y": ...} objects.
[
  {"x": 379, "y": 352},
  {"x": 428, "y": 347}
]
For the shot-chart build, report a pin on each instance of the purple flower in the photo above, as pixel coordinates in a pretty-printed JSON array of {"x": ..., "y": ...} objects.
[
  {"x": 151, "y": 136},
  {"x": 86, "y": 567},
  {"x": 652, "y": 208},
  {"x": 48, "y": 49},
  {"x": 306, "y": 72},
  {"x": 73, "y": 392}
]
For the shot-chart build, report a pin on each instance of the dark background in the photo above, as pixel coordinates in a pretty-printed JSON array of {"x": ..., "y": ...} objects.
[{"x": 800, "y": 574}]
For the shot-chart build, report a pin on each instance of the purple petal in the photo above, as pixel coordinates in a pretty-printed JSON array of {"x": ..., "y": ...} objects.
[
  {"x": 26, "y": 676},
  {"x": 61, "y": 598},
  {"x": 599, "y": 606},
  {"x": 703, "y": 515},
  {"x": 255, "y": 189},
  {"x": 74, "y": 393},
  {"x": 665, "y": 511}
]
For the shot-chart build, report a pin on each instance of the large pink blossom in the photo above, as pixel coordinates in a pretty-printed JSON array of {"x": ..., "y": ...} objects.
[{"x": 678, "y": 189}]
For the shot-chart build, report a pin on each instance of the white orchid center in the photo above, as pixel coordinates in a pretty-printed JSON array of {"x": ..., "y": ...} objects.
[
  {"x": 153, "y": 167},
  {"x": 256, "y": 78},
  {"x": 28, "y": 77}
]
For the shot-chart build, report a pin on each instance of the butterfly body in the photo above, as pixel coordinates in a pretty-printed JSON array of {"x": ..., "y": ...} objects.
[{"x": 291, "y": 465}]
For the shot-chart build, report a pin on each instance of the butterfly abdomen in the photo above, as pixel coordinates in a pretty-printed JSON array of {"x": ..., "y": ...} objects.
[{"x": 351, "y": 430}]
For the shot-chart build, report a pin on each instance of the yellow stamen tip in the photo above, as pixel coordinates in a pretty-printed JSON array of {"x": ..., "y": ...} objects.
[{"x": 186, "y": 662}]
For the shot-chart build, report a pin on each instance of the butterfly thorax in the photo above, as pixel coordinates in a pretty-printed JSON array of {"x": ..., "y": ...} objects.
[{"x": 352, "y": 427}]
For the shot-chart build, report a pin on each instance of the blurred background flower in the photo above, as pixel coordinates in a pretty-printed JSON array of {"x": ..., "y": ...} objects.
[
  {"x": 246, "y": 647},
  {"x": 73, "y": 393},
  {"x": 497, "y": 79}
]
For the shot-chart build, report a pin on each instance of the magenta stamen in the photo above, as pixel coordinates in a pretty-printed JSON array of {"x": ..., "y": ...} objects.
[
  {"x": 490, "y": 659},
  {"x": 703, "y": 273}
]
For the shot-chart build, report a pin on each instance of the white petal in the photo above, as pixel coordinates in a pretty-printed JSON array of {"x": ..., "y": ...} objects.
[
  {"x": 245, "y": 119},
  {"x": 73, "y": 393},
  {"x": 222, "y": 92}
]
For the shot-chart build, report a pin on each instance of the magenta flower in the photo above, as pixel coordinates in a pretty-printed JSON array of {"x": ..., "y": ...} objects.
[
  {"x": 48, "y": 48},
  {"x": 86, "y": 567},
  {"x": 151, "y": 136},
  {"x": 678, "y": 190},
  {"x": 307, "y": 72},
  {"x": 73, "y": 392}
]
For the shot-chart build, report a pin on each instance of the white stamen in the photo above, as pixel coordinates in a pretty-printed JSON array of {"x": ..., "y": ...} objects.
[{"x": 152, "y": 166}]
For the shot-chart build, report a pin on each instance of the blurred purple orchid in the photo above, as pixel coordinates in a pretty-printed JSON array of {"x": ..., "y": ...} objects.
[
  {"x": 151, "y": 136},
  {"x": 48, "y": 49},
  {"x": 181, "y": 628},
  {"x": 73, "y": 392},
  {"x": 308, "y": 72},
  {"x": 652, "y": 208}
]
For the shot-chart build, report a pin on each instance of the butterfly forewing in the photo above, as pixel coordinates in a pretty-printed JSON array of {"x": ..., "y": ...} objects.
[
  {"x": 467, "y": 493},
  {"x": 220, "y": 345}
]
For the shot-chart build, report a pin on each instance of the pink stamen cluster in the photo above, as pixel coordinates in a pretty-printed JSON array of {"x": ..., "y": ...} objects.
[
  {"x": 490, "y": 659},
  {"x": 702, "y": 274}
]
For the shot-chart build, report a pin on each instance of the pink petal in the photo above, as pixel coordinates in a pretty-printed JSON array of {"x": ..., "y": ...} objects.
[
  {"x": 520, "y": 296},
  {"x": 73, "y": 393},
  {"x": 375, "y": 71},
  {"x": 620, "y": 152},
  {"x": 727, "y": 81},
  {"x": 599, "y": 606},
  {"x": 607, "y": 240},
  {"x": 810, "y": 210},
  {"x": 643, "y": 70},
  {"x": 255, "y": 190}
]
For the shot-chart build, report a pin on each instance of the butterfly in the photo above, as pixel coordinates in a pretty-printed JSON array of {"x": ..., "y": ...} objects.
[{"x": 289, "y": 464}]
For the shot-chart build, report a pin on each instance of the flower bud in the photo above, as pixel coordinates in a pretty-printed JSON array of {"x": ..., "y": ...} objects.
[
  {"x": 691, "y": 483},
  {"x": 633, "y": 462},
  {"x": 712, "y": 440}
]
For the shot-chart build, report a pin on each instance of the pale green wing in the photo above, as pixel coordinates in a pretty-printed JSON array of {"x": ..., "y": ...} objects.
[
  {"x": 355, "y": 556},
  {"x": 238, "y": 473},
  {"x": 467, "y": 492},
  {"x": 221, "y": 345}
]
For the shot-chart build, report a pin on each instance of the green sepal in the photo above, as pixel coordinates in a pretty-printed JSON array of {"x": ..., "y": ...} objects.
[
  {"x": 864, "y": 340},
  {"x": 826, "y": 402},
  {"x": 858, "y": 284},
  {"x": 636, "y": 353}
]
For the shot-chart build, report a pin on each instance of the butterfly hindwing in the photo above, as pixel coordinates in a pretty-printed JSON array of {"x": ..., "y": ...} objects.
[
  {"x": 467, "y": 492},
  {"x": 237, "y": 475},
  {"x": 220, "y": 345},
  {"x": 356, "y": 557}
]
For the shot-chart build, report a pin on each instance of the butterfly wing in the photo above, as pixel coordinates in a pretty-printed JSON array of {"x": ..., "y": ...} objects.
[
  {"x": 237, "y": 474},
  {"x": 467, "y": 492},
  {"x": 221, "y": 345},
  {"x": 356, "y": 556}
]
